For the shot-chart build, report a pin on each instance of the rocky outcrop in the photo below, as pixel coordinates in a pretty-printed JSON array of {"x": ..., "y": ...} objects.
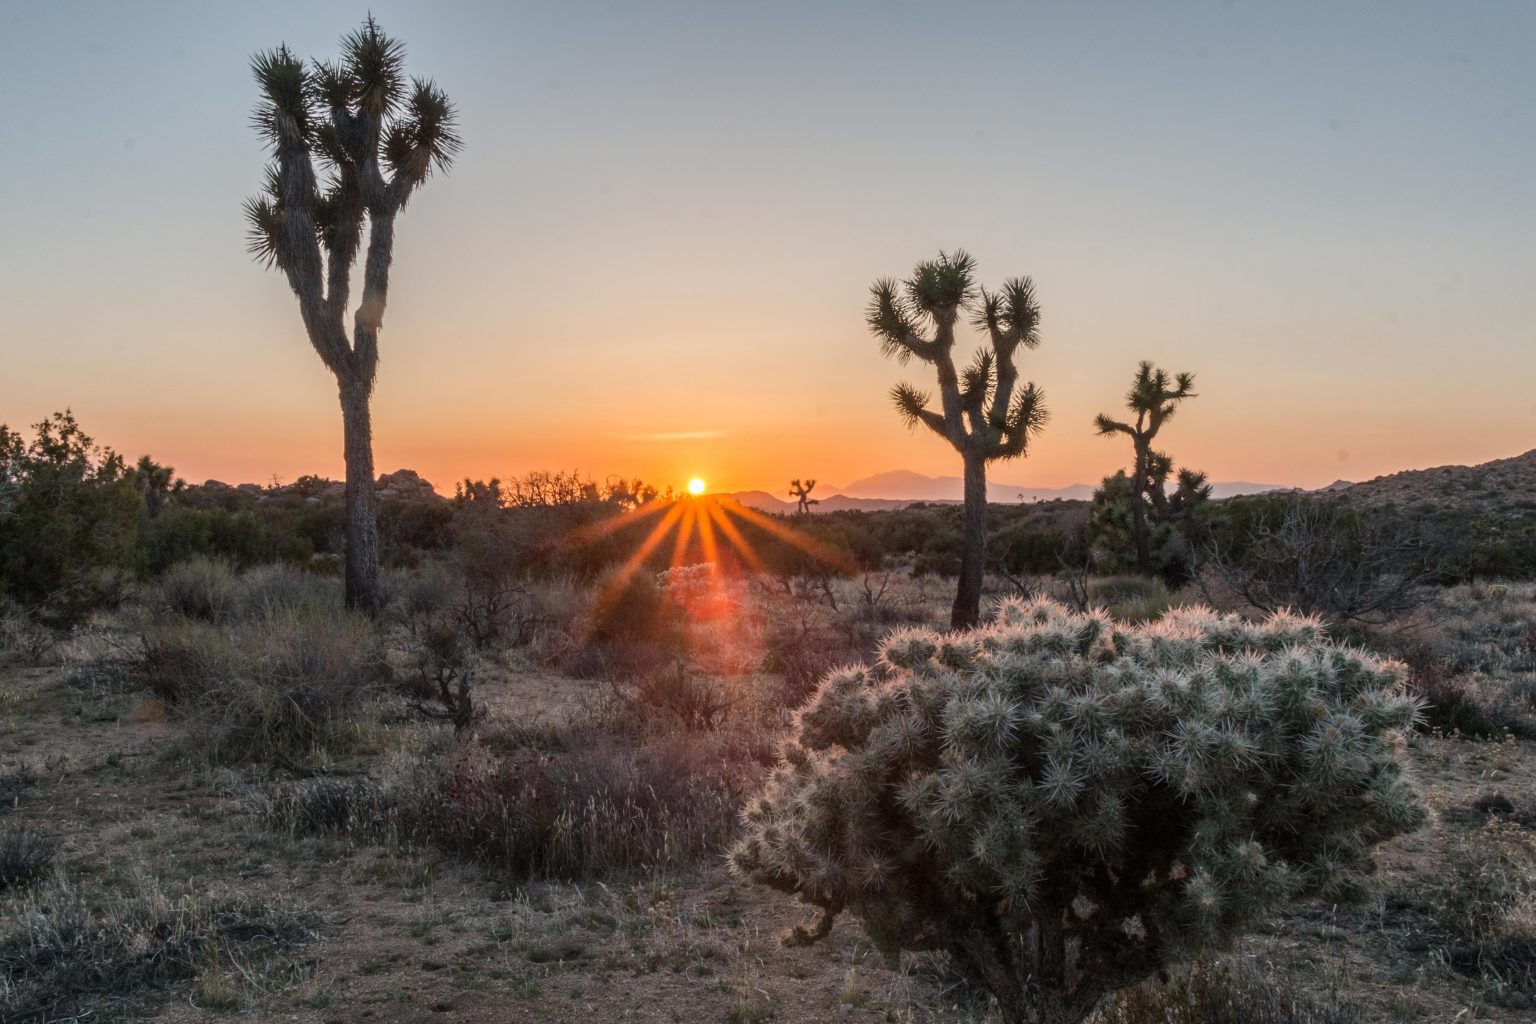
[{"x": 401, "y": 485}]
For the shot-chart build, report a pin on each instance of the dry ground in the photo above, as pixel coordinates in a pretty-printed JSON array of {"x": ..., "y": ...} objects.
[{"x": 403, "y": 935}]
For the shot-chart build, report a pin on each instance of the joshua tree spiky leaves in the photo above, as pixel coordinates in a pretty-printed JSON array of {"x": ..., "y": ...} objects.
[
  {"x": 802, "y": 494},
  {"x": 376, "y": 136},
  {"x": 983, "y": 411},
  {"x": 1066, "y": 805},
  {"x": 1154, "y": 398}
]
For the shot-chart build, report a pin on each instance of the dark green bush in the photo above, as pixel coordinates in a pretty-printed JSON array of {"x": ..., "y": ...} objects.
[{"x": 70, "y": 514}]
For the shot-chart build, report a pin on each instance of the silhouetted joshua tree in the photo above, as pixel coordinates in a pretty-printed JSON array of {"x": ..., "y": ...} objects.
[
  {"x": 377, "y": 137},
  {"x": 982, "y": 411},
  {"x": 802, "y": 494},
  {"x": 1154, "y": 399}
]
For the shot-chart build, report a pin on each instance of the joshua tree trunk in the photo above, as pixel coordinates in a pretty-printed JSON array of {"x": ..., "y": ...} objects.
[
  {"x": 1139, "y": 508},
  {"x": 362, "y": 502},
  {"x": 973, "y": 554}
]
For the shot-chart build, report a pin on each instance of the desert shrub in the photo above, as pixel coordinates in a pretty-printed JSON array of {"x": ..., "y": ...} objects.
[
  {"x": 17, "y": 784},
  {"x": 242, "y": 536},
  {"x": 441, "y": 665},
  {"x": 595, "y": 805},
  {"x": 266, "y": 589},
  {"x": 939, "y": 554},
  {"x": 1450, "y": 705},
  {"x": 292, "y": 686},
  {"x": 805, "y": 638},
  {"x": 634, "y": 630},
  {"x": 491, "y": 557},
  {"x": 1352, "y": 565},
  {"x": 609, "y": 808},
  {"x": 69, "y": 519},
  {"x": 200, "y": 588},
  {"x": 25, "y": 636},
  {"x": 1488, "y": 912},
  {"x": 24, "y": 857},
  {"x": 1492, "y": 546},
  {"x": 1222, "y": 993},
  {"x": 1024, "y": 550},
  {"x": 277, "y": 683},
  {"x": 68, "y": 955},
  {"x": 679, "y": 697},
  {"x": 1057, "y": 783}
]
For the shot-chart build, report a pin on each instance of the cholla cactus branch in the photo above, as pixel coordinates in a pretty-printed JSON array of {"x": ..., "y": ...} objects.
[
  {"x": 1065, "y": 805},
  {"x": 982, "y": 411}
]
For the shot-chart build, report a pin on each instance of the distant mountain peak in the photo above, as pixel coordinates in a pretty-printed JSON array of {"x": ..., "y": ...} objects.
[{"x": 906, "y": 485}]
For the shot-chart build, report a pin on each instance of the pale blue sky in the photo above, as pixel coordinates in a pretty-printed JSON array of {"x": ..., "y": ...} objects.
[{"x": 666, "y": 217}]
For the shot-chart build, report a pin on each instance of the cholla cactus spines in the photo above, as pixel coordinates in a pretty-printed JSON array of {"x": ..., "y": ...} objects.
[{"x": 1066, "y": 804}]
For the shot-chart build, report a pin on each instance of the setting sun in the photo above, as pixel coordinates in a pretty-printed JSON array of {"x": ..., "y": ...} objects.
[{"x": 695, "y": 486}]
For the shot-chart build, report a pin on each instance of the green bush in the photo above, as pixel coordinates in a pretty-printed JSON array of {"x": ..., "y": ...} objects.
[
  {"x": 1055, "y": 782},
  {"x": 69, "y": 520}
]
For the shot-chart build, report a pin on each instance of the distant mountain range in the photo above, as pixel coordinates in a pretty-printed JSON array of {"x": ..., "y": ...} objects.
[{"x": 901, "y": 487}]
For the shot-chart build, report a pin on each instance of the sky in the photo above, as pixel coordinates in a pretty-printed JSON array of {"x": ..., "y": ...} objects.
[{"x": 653, "y": 255}]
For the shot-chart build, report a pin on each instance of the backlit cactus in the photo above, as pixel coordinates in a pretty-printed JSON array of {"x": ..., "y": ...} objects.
[{"x": 1066, "y": 805}]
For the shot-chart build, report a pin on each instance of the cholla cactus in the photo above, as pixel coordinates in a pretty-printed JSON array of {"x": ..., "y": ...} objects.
[{"x": 1065, "y": 805}]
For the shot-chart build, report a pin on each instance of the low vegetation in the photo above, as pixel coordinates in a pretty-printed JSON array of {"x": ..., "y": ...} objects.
[{"x": 67, "y": 954}]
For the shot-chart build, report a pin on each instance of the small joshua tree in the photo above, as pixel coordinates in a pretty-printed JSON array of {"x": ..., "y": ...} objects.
[
  {"x": 377, "y": 138},
  {"x": 983, "y": 412},
  {"x": 802, "y": 494},
  {"x": 1154, "y": 399},
  {"x": 1175, "y": 525},
  {"x": 1066, "y": 806}
]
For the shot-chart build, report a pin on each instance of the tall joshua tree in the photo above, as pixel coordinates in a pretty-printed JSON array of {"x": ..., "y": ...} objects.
[
  {"x": 1154, "y": 398},
  {"x": 376, "y": 137},
  {"x": 801, "y": 492},
  {"x": 983, "y": 411}
]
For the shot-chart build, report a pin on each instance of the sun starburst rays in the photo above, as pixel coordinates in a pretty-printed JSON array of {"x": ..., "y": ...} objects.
[{"x": 703, "y": 529}]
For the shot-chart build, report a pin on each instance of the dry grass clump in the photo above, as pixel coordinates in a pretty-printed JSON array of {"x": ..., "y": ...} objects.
[
  {"x": 1487, "y": 910},
  {"x": 596, "y": 808},
  {"x": 25, "y": 857},
  {"x": 630, "y": 785},
  {"x": 199, "y": 588},
  {"x": 1476, "y": 666},
  {"x": 25, "y": 638},
  {"x": 275, "y": 676},
  {"x": 66, "y": 954},
  {"x": 1222, "y": 993}
]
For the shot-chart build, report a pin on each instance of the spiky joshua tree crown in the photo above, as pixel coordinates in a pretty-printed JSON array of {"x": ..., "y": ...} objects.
[
  {"x": 1065, "y": 805},
  {"x": 376, "y": 137}
]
